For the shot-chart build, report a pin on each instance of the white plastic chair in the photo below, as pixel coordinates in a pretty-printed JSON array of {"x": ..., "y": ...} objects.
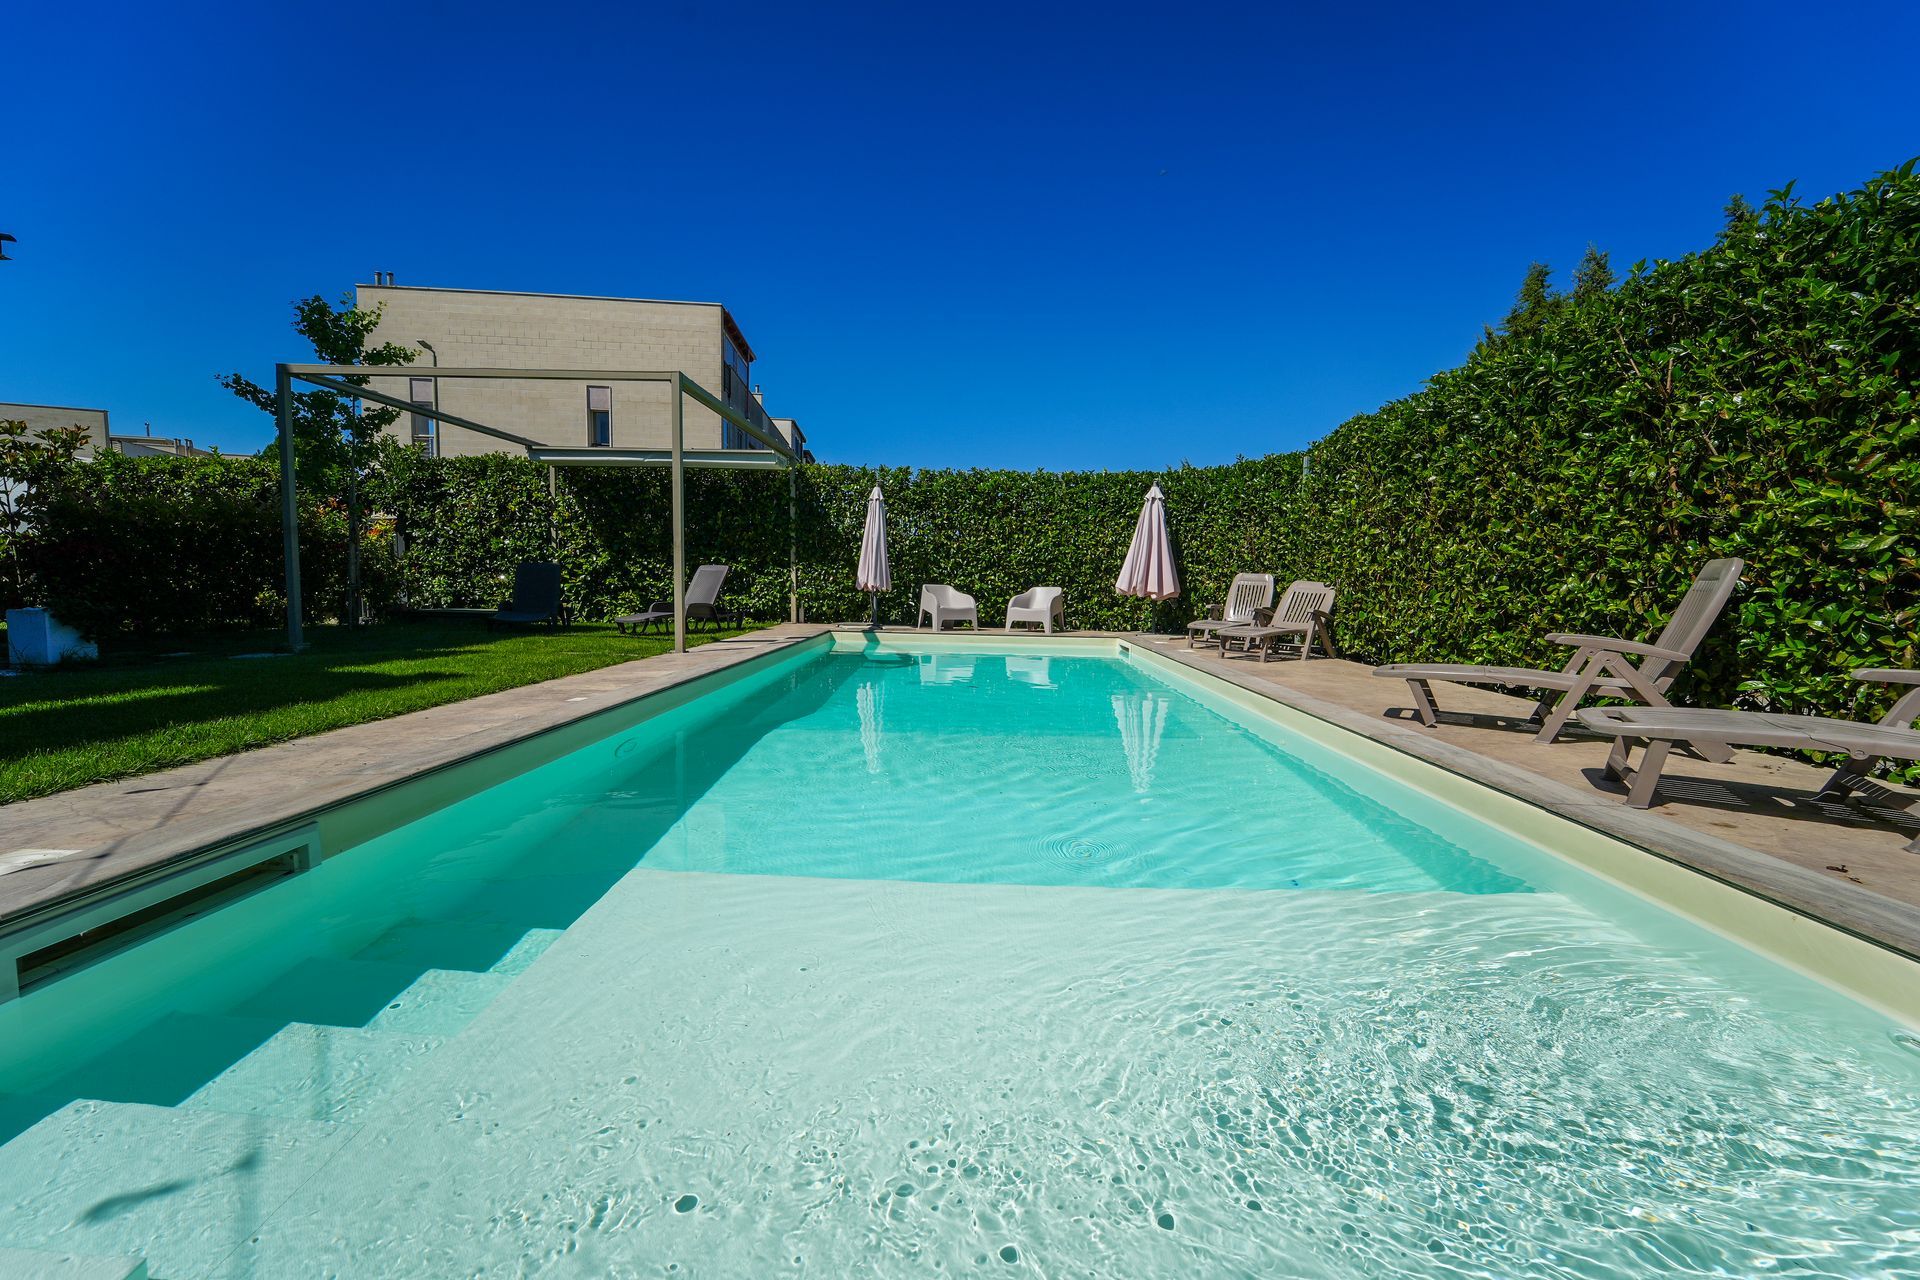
[
  {"x": 946, "y": 606},
  {"x": 1041, "y": 605}
]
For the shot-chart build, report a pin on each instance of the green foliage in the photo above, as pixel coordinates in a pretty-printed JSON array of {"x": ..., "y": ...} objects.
[
  {"x": 70, "y": 726},
  {"x": 1533, "y": 305},
  {"x": 140, "y": 545},
  {"x": 330, "y": 440},
  {"x": 30, "y": 463},
  {"x": 1594, "y": 276},
  {"x": 1755, "y": 399},
  {"x": 467, "y": 521}
]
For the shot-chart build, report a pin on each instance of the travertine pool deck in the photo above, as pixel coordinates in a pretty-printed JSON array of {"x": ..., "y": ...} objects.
[{"x": 1752, "y": 823}]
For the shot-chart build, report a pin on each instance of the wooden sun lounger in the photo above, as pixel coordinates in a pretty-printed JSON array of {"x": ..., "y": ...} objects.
[
  {"x": 1249, "y": 593},
  {"x": 1864, "y": 745},
  {"x": 1301, "y": 617},
  {"x": 1600, "y": 665}
]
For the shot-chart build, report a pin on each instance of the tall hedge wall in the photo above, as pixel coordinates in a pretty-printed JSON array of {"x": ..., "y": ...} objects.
[
  {"x": 1755, "y": 399},
  {"x": 465, "y": 523},
  {"x": 183, "y": 544}
]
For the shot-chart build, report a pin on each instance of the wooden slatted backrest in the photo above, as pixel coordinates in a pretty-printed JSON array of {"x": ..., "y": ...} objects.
[
  {"x": 1302, "y": 600},
  {"x": 1695, "y": 616},
  {"x": 1249, "y": 591}
]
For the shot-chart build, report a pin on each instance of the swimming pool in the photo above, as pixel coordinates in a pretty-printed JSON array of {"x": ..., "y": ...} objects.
[{"x": 955, "y": 958}]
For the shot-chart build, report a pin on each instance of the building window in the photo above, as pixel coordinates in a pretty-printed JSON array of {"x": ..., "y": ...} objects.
[
  {"x": 600, "y": 417},
  {"x": 425, "y": 437}
]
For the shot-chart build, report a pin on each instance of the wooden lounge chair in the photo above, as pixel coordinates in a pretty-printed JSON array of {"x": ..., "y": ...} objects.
[
  {"x": 1248, "y": 593},
  {"x": 946, "y": 606},
  {"x": 1601, "y": 665},
  {"x": 1865, "y": 745},
  {"x": 703, "y": 604},
  {"x": 536, "y": 597},
  {"x": 1042, "y": 605},
  {"x": 1300, "y": 618}
]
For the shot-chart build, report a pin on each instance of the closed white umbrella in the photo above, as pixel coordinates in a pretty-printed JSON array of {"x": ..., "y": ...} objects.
[
  {"x": 874, "y": 575},
  {"x": 1148, "y": 572}
]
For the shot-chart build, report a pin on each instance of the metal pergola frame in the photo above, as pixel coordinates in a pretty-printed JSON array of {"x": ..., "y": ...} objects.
[{"x": 777, "y": 455}]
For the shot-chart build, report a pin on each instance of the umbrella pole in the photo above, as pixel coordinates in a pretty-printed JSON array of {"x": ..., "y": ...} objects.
[{"x": 873, "y": 621}]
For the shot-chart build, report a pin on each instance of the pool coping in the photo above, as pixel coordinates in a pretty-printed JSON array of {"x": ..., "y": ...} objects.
[{"x": 112, "y": 835}]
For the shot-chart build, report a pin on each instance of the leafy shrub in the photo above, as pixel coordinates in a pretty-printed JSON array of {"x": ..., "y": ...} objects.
[
  {"x": 185, "y": 544},
  {"x": 466, "y": 522}
]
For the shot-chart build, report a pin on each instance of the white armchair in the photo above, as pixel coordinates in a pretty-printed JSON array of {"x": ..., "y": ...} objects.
[
  {"x": 1041, "y": 605},
  {"x": 946, "y": 606}
]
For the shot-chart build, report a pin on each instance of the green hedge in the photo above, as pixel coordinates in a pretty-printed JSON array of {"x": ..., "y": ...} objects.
[
  {"x": 1755, "y": 399},
  {"x": 465, "y": 522},
  {"x": 175, "y": 545}
]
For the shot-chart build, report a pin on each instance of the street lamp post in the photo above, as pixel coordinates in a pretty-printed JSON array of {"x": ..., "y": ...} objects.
[{"x": 428, "y": 348}]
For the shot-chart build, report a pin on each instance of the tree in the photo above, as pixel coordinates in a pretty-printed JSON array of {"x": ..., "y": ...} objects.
[
  {"x": 334, "y": 442},
  {"x": 30, "y": 461},
  {"x": 1533, "y": 303},
  {"x": 1738, "y": 211},
  {"x": 1594, "y": 277}
]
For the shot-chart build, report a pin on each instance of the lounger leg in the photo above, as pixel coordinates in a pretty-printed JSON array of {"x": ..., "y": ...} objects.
[
  {"x": 1842, "y": 780},
  {"x": 1647, "y": 776},
  {"x": 1617, "y": 760},
  {"x": 1563, "y": 710},
  {"x": 1423, "y": 708}
]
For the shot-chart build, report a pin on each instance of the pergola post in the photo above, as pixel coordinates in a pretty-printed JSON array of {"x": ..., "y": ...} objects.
[
  {"x": 773, "y": 451},
  {"x": 289, "y": 507},
  {"x": 793, "y": 546},
  {"x": 678, "y": 433}
]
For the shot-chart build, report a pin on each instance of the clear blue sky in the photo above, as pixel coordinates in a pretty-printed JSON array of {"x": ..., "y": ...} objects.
[{"x": 1025, "y": 236}]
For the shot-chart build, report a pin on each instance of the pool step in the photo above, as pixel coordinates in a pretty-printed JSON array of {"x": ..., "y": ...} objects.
[
  {"x": 165, "y": 1061},
  {"x": 532, "y": 945},
  {"x": 387, "y": 997},
  {"x": 459, "y": 944},
  {"x": 32, "y": 1264},
  {"x": 180, "y": 1186},
  {"x": 440, "y": 1002},
  {"x": 340, "y": 993},
  {"x": 308, "y": 1071}
]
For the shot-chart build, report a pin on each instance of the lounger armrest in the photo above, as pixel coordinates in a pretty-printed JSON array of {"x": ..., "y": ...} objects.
[
  {"x": 1887, "y": 675},
  {"x": 1614, "y": 644}
]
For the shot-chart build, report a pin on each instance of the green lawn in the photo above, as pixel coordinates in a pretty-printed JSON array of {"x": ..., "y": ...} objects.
[{"x": 156, "y": 706}]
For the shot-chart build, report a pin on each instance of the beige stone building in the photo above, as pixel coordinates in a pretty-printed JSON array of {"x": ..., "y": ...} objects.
[
  {"x": 480, "y": 328},
  {"x": 100, "y": 437}
]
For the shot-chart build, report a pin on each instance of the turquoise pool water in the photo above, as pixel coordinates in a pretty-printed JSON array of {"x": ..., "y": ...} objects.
[{"x": 981, "y": 963}]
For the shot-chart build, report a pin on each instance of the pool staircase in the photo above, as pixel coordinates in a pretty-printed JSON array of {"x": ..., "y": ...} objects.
[{"x": 261, "y": 1094}]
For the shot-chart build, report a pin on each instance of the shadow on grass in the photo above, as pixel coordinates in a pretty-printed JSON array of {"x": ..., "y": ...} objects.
[
  {"x": 146, "y": 707},
  {"x": 90, "y": 708}
]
